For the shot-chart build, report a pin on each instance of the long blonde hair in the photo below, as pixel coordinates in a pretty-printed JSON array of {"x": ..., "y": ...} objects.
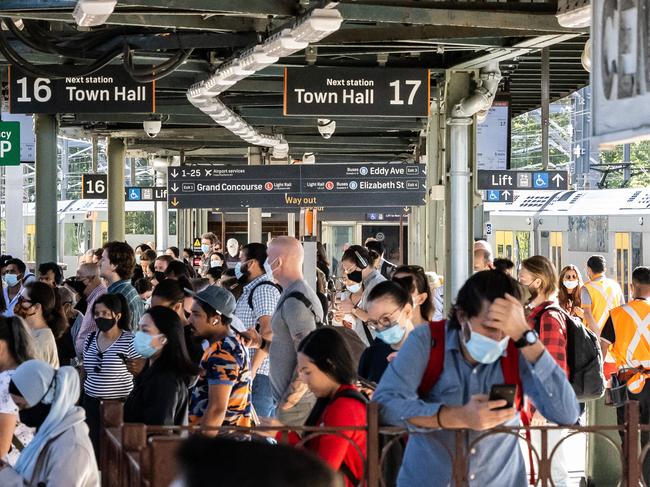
[{"x": 542, "y": 269}]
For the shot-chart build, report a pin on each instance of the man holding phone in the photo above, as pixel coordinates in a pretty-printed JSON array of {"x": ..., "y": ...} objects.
[{"x": 488, "y": 315}]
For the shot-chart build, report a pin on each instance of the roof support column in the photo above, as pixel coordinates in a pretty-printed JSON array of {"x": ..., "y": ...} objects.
[
  {"x": 116, "y": 153},
  {"x": 46, "y": 180},
  {"x": 162, "y": 215},
  {"x": 545, "y": 89},
  {"x": 254, "y": 214}
]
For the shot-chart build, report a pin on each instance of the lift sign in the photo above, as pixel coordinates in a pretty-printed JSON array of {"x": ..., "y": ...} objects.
[{"x": 9, "y": 143}]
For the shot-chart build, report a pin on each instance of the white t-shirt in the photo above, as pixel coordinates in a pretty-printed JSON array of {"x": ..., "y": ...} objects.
[{"x": 7, "y": 406}]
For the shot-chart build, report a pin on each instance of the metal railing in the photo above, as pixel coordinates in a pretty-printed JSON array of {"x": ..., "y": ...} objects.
[{"x": 137, "y": 455}]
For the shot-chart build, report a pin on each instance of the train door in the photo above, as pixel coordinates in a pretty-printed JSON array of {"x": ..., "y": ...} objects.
[
  {"x": 512, "y": 245},
  {"x": 337, "y": 236},
  {"x": 555, "y": 254},
  {"x": 389, "y": 235}
]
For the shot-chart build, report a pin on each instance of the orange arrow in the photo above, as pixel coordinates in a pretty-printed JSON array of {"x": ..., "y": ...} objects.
[{"x": 174, "y": 202}]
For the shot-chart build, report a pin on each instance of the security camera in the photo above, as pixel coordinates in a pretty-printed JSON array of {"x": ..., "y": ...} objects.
[
  {"x": 152, "y": 127},
  {"x": 326, "y": 127}
]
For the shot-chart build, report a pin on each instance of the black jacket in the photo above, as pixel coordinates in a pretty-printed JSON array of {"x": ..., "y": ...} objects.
[{"x": 157, "y": 398}]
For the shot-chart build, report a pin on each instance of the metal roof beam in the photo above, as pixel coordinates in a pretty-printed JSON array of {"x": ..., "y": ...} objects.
[
  {"x": 260, "y": 8},
  {"x": 453, "y": 17}
]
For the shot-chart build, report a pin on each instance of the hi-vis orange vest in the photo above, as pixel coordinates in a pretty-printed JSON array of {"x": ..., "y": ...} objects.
[
  {"x": 631, "y": 348},
  {"x": 605, "y": 295}
]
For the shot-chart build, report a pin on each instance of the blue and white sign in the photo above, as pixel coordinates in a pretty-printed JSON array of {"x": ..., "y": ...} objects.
[
  {"x": 493, "y": 195},
  {"x": 134, "y": 194},
  {"x": 540, "y": 180}
]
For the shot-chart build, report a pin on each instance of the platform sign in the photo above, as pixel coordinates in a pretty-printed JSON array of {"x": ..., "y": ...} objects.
[
  {"x": 95, "y": 187},
  {"x": 511, "y": 180},
  {"x": 620, "y": 76},
  {"x": 109, "y": 90},
  {"x": 9, "y": 143},
  {"x": 296, "y": 186},
  {"x": 354, "y": 92},
  {"x": 27, "y": 138}
]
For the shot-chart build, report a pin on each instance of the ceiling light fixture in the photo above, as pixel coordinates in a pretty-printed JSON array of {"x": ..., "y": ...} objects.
[{"x": 90, "y": 13}]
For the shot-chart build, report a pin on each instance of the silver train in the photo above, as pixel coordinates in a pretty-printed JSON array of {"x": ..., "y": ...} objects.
[{"x": 569, "y": 226}]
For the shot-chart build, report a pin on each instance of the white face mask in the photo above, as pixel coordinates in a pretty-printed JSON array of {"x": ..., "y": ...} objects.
[
  {"x": 570, "y": 284},
  {"x": 353, "y": 288}
]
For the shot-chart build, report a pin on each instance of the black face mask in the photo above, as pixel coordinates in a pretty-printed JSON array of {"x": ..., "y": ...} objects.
[
  {"x": 105, "y": 324},
  {"x": 35, "y": 416},
  {"x": 159, "y": 276},
  {"x": 355, "y": 276}
]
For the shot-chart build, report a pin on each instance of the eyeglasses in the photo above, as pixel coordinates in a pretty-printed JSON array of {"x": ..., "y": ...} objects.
[
  {"x": 98, "y": 368},
  {"x": 384, "y": 322}
]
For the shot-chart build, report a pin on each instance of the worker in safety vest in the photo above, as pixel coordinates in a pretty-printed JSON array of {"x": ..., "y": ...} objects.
[
  {"x": 599, "y": 295},
  {"x": 627, "y": 334}
]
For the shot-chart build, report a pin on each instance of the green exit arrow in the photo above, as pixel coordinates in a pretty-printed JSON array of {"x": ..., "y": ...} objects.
[{"x": 9, "y": 143}]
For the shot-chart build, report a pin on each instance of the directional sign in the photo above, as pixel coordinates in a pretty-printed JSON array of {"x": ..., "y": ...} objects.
[
  {"x": 27, "y": 137},
  {"x": 512, "y": 180},
  {"x": 109, "y": 90},
  {"x": 498, "y": 196},
  {"x": 295, "y": 186},
  {"x": 94, "y": 187},
  {"x": 376, "y": 92},
  {"x": 9, "y": 143}
]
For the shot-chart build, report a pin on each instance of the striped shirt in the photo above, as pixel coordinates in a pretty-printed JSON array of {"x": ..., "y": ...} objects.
[
  {"x": 265, "y": 299},
  {"x": 106, "y": 374},
  {"x": 133, "y": 299}
]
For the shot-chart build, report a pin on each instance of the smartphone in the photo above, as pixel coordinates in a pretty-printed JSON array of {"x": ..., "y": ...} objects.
[
  {"x": 123, "y": 357},
  {"x": 503, "y": 392}
]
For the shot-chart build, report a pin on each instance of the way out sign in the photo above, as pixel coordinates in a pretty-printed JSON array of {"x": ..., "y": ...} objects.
[{"x": 9, "y": 143}]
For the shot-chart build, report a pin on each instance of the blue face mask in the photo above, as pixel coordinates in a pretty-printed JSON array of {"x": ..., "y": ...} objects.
[
  {"x": 11, "y": 279},
  {"x": 205, "y": 249},
  {"x": 142, "y": 344},
  {"x": 483, "y": 349},
  {"x": 267, "y": 267},
  {"x": 392, "y": 335}
]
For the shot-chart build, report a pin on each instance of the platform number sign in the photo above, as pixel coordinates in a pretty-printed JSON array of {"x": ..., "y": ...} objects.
[
  {"x": 93, "y": 186},
  {"x": 9, "y": 143}
]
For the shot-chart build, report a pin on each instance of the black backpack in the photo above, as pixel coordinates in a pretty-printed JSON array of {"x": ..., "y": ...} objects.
[
  {"x": 584, "y": 358},
  {"x": 353, "y": 341},
  {"x": 262, "y": 283}
]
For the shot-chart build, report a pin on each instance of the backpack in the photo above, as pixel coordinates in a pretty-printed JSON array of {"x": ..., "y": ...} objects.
[
  {"x": 584, "y": 359},
  {"x": 354, "y": 343}
]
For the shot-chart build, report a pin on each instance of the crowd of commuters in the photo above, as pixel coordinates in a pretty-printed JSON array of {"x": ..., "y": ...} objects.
[{"x": 238, "y": 337}]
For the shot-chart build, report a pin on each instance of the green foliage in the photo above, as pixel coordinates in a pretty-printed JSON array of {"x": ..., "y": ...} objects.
[{"x": 139, "y": 222}]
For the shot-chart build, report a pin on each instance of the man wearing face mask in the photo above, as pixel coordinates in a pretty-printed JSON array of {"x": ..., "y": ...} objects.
[
  {"x": 255, "y": 307},
  {"x": 60, "y": 453},
  {"x": 208, "y": 243},
  {"x": 87, "y": 284},
  {"x": 160, "y": 267},
  {"x": 16, "y": 277},
  {"x": 295, "y": 316},
  {"x": 470, "y": 347}
]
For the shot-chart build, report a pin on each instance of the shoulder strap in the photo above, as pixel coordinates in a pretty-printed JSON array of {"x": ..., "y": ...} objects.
[
  {"x": 347, "y": 471},
  {"x": 351, "y": 394},
  {"x": 510, "y": 369},
  {"x": 89, "y": 340},
  {"x": 262, "y": 283},
  {"x": 436, "y": 358},
  {"x": 304, "y": 300},
  {"x": 550, "y": 307}
]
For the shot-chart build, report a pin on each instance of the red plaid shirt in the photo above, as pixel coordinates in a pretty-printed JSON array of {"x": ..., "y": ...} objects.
[{"x": 552, "y": 332}]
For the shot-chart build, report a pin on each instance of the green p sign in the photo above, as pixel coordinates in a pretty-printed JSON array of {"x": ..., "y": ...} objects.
[{"x": 9, "y": 143}]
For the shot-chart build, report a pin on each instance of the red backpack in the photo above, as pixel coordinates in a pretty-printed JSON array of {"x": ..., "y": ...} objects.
[{"x": 509, "y": 367}]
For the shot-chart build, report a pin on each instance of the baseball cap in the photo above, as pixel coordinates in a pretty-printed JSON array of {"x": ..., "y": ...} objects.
[{"x": 219, "y": 299}]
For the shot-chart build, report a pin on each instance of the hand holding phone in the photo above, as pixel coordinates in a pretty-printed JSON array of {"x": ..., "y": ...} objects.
[{"x": 503, "y": 392}]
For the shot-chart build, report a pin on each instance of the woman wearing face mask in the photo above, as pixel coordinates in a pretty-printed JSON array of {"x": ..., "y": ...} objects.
[
  {"x": 353, "y": 293},
  {"x": 326, "y": 366},
  {"x": 39, "y": 306},
  {"x": 390, "y": 315},
  {"x": 160, "y": 394},
  {"x": 545, "y": 316},
  {"x": 570, "y": 285},
  {"x": 357, "y": 267},
  {"x": 60, "y": 455},
  {"x": 413, "y": 279},
  {"x": 104, "y": 356},
  {"x": 15, "y": 348}
]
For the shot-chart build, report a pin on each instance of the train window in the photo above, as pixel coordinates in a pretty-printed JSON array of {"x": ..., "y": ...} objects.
[
  {"x": 523, "y": 247},
  {"x": 588, "y": 233},
  {"x": 623, "y": 257},
  {"x": 505, "y": 244},
  {"x": 73, "y": 242}
]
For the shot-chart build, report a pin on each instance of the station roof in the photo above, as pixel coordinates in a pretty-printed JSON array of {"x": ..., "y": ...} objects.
[{"x": 396, "y": 33}]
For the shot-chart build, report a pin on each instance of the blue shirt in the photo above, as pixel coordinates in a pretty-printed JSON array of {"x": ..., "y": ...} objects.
[
  {"x": 133, "y": 300},
  {"x": 496, "y": 460}
]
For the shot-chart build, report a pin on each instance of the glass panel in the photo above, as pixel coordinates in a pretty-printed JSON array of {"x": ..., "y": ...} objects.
[
  {"x": 523, "y": 247},
  {"x": 389, "y": 235},
  {"x": 73, "y": 241},
  {"x": 336, "y": 240}
]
